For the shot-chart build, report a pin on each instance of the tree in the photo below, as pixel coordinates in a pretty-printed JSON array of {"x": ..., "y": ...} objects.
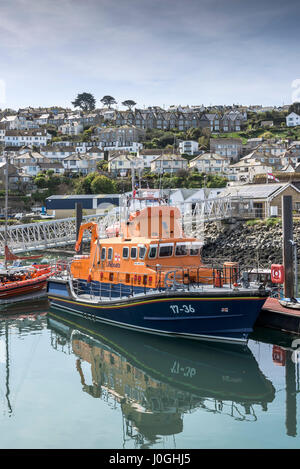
[
  {"x": 129, "y": 103},
  {"x": 85, "y": 101},
  {"x": 102, "y": 185},
  {"x": 108, "y": 101},
  {"x": 295, "y": 107}
]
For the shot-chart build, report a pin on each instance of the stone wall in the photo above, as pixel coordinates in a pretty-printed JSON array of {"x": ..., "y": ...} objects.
[{"x": 249, "y": 245}]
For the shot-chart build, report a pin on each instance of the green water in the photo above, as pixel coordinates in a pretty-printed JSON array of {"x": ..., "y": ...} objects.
[{"x": 67, "y": 383}]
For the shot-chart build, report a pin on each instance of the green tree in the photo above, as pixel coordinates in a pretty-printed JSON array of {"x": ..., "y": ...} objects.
[
  {"x": 40, "y": 181},
  {"x": 129, "y": 103},
  {"x": 295, "y": 107},
  {"x": 108, "y": 101},
  {"x": 85, "y": 101},
  {"x": 102, "y": 185}
]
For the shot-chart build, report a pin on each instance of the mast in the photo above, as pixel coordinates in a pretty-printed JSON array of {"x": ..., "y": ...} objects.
[{"x": 6, "y": 209}]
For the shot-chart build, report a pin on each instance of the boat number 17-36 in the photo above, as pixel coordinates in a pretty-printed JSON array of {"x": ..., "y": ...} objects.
[{"x": 176, "y": 309}]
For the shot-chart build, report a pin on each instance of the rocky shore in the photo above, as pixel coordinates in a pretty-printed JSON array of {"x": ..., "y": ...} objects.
[{"x": 246, "y": 243}]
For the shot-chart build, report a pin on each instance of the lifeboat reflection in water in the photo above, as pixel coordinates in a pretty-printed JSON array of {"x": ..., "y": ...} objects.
[{"x": 156, "y": 380}]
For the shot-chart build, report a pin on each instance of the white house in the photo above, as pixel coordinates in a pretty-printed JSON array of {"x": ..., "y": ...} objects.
[
  {"x": 246, "y": 170},
  {"x": 72, "y": 128},
  {"x": 19, "y": 138},
  {"x": 292, "y": 119},
  {"x": 30, "y": 162},
  {"x": 14, "y": 122},
  {"x": 168, "y": 163},
  {"x": 148, "y": 155},
  {"x": 57, "y": 153},
  {"x": 133, "y": 147},
  {"x": 189, "y": 147},
  {"x": 77, "y": 163},
  {"x": 123, "y": 163},
  {"x": 42, "y": 119},
  {"x": 211, "y": 163}
]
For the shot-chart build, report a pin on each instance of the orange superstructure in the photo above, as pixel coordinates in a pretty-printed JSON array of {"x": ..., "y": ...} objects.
[{"x": 150, "y": 243}]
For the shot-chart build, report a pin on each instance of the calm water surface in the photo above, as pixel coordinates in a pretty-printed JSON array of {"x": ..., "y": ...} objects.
[{"x": 68, "y": 383}]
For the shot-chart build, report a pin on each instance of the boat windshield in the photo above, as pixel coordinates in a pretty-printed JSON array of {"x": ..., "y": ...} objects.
[
  {"x": 142, "y": 252},
  {"x": 152, "y": 252},
  {"x": 165, "y": 250},
  {"x": 181, "y": 249}
]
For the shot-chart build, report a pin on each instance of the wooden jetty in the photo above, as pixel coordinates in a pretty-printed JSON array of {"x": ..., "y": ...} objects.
[{"x": 276, "y": 316}]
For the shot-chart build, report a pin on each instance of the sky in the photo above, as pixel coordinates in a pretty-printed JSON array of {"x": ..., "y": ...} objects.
[{"x": 156, "y": 52}]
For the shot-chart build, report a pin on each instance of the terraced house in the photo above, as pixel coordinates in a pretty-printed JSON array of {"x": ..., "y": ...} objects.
[
  {"x": 211, "y": 163},
  {"x": 19, "y": 138},
  {"x": 230, "y": 148},
  {"x": 168, "y": 163},
  {"x": 158, "y": 118},
  {"x": 126, "y": 136}
]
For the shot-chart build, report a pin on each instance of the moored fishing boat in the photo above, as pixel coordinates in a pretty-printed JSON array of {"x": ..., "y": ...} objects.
[
  {"x": 150, "y": 277},
  {"x": 18, "y": 281},
  {"x": 17, "y": 285}
]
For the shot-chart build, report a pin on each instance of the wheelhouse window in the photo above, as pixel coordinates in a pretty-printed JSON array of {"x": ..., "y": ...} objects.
[
  {"x": 142, "y": 252},
  {"x": 110, "y": 254},
  {"x": 152, "y": 252},
  {"x": 195, "y": 250},
  {"x": 133, "y": 253},
  {"x": 181, "y": 249},
  {"x": 166, "y": 250},
  {"x": 125, "y": 253},
  {"x": 103, "y": 254}
]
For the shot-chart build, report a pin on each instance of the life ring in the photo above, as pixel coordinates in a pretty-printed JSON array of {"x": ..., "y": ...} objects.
[{"x": 277, "y": 273}]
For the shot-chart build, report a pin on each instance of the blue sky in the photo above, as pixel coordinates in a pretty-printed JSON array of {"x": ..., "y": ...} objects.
[{"x": 157, "y": 52}]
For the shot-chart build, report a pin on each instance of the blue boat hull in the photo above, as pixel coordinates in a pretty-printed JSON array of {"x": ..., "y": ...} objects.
[{"x": 185, "y": 314}]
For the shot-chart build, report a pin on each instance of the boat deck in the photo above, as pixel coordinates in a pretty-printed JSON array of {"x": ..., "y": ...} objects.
[
  {"x": 276, "y": 316},
  {"x": 273, "y": 305}
]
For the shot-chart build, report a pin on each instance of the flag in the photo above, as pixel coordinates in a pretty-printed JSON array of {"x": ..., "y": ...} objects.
[{"x": 271, "y": 176}]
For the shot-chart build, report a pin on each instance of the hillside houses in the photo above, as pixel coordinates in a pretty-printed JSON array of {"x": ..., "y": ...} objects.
[
  {"x": 122, "y": 164},
  {"x": 230, "y": 148},
  {"x": 157, "y": 118},
  {"x": 211, "y": 163},
  {"x": 168, "y": 163},
  {"x": 39, "y": 137},
  {"x": 292, "y": 120}
]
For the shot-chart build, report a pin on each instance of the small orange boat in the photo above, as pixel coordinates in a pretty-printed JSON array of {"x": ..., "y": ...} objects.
[
  {"x": 18, "y": 281},
  {"x": 18, "y": 284}
]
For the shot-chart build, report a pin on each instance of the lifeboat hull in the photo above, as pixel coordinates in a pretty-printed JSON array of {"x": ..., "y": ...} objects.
[{"x": 212, "y": 315}]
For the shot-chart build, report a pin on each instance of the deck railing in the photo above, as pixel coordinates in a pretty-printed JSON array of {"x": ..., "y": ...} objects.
[{"x": 125, "y": 284}]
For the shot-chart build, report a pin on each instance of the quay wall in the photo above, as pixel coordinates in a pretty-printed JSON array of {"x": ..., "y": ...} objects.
[{"x": 247, "y": 243}]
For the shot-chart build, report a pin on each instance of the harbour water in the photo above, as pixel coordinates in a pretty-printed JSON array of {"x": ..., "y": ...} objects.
[{"x": 70, "y": 383}]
